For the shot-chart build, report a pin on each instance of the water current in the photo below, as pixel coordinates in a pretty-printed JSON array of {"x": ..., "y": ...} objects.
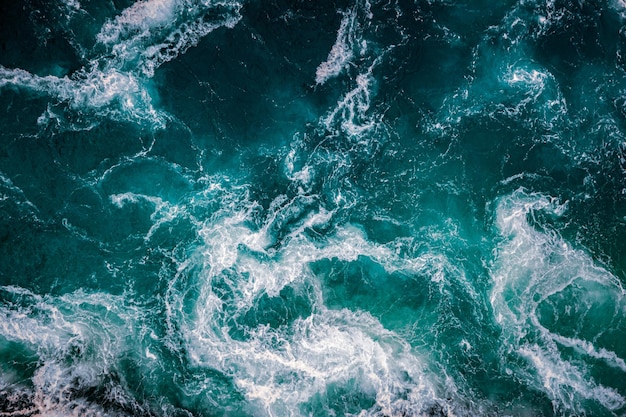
[{"x": 312, "y": 208}]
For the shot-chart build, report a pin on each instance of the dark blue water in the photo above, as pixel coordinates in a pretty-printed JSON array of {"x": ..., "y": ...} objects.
[{"x": 312, "y": 208}]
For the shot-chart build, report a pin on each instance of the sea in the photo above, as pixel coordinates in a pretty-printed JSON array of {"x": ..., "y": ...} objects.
[{"x": 272, "y": 208}]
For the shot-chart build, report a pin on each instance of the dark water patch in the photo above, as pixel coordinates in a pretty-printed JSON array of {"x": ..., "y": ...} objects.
[{"x": 572, "y": 33}]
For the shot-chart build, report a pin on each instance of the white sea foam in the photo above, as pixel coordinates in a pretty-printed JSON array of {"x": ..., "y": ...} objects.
[
  {"x": 164, "y": 212},
  {"x": 542, "y": 94},
  {"x": 9, "y": 191},
  {"x": 78, "y": 339},
  {"x": 22, "y": 78},
  {"x": 528, "y": 87},
  {"x": 588, "y": 348},
  {"x": 502, "y": 83},
  {"x": 72, "y": 4},
  {"x": 152, "y": 32},
  {"x": 342, "y": 50},
  {"x": 567, "y": 383},
  {"x": 531, "y": 266},
  {"x": 138, "y": 20},
  {"x": 530, "y": 78},
  {"x": 280, "y": 368},
  {"x": 112, "y": 94},
  {"x": 351, "y": 115},
  {"x": 298, "y": 171},
  {"x": 620, "y": 7},
  {"x": 115, "y": 83},
  {"x": 183, "y": 38}
]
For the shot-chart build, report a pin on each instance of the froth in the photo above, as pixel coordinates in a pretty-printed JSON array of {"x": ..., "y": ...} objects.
[
  {"x": 110, "y": 94},
  {"x": 10, "y": 192},
  {"x": 341, "y": 52},
  {"x": 531, "y": 78},
  {"x": 620, "y": 6},
  {"x": 185, "y": 37},
  {"x": 164, "y": 212},
  {"x": 283, "y": 364},
  {"x": 77, "y": 339},
  {"x": 114, "y": 82},
  {"x": 567, "y": 383},
  {"x": 355, "y": 53},
  {"x": 279, "y": 370},
  {"x": 351, "y": 112},
  {"x": 142, "y": 16},
  {"x": 152, "y": 32},
  {"x": 532, "y": 266}
]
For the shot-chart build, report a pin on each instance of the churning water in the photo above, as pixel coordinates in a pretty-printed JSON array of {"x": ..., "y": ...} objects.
[{"x": 313, "y": 208}]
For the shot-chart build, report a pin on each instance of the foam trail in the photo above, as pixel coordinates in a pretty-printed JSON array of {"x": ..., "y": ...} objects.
[
  {"x": 351, "y": 114},
  {"x": 138, "y": 20},
  {"x": 504, "y": 82},
  {"x": 566, "y": 383},
  {"x": 341, "y": 52},
  {"x": 531, "y": 268},
  {"x": 354, "y": 116},
  {"x": 620, "y": 7},
  {"x": 114, "y": 83},
  {"x": 609, "y": 357},
  {"x": 164, "y": 212},
  {"x": 152, "y": 32},
  {"x": 10, "y": 192},
  {"x": 111, "y": 94}
]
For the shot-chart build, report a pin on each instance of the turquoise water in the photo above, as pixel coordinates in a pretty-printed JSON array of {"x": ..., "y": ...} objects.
[{"x": 313, "y": 208}]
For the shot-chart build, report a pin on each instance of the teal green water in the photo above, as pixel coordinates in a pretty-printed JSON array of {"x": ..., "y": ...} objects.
[{"x": 298, "y": 208}]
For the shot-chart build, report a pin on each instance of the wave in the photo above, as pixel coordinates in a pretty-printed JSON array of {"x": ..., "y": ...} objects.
[
  {"x": 253, "y": 310},
  {"x": 233, "y": 313},
  {"x": 532, "y": 268},
  {"x": 76, "y": 343},
  {"x": 105, "y": 94},
  {"x": 152, "y": 32},
  {"x": 115, "y": 82},
  {"x": 342, "y": 50}
]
